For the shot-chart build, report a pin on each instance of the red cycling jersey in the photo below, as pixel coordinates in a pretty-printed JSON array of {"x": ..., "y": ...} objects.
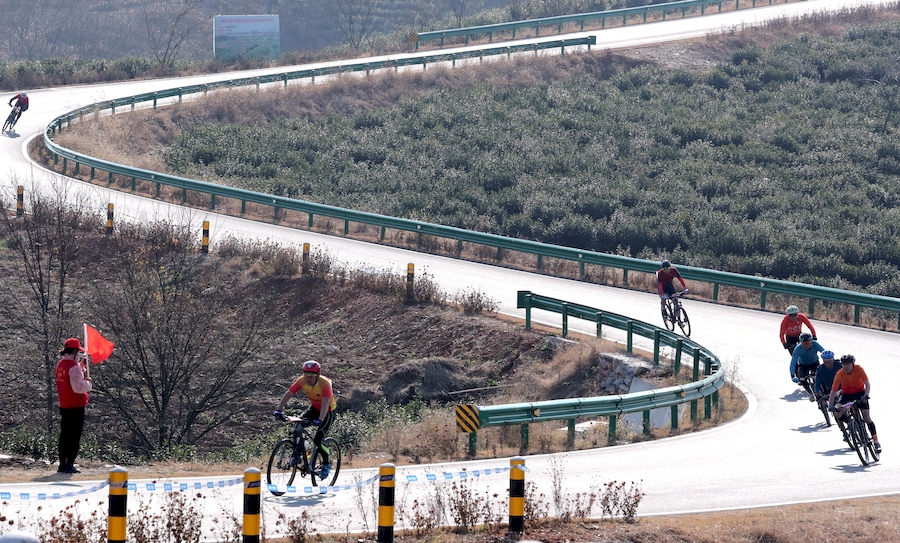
[
  {"x": 793, "y": 329},
  {"x": 22, "y": 101},
  {"x": 665, "y": 277}
]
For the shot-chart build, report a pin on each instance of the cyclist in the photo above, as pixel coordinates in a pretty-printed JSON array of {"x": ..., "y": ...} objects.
[
  {"x": 805, "y": 361},
  {"x": 22, "y": 103},
  {"x": 853, "y": 383},
  {"x": 320, "y": 413},
  {"x": 665, "y": 284},
  {"x": 792, "y": 326},
  {"x": 825, "y": 374}
]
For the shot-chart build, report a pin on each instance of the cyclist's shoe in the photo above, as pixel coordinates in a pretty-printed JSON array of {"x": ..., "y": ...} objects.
[
  {"x": 326, "y": 470},
  {"x": 812, "y": 397},
  {"x": 878, "y": 447}
]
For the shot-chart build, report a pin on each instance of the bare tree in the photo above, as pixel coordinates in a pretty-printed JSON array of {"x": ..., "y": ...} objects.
[
  {"x": 461, "y": 8},
  {"x": 169, "y": 24},
  {"x": 355, "y": 19},
  {"x": 48, "y": 241},
  {"x": 177, "y": 374}
]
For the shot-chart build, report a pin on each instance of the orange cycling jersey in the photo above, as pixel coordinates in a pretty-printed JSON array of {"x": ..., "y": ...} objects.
[
  {"x": 790, "y": 328},
  {"x": 849, "y": 383},
  {"x": 322, "y": 389}
]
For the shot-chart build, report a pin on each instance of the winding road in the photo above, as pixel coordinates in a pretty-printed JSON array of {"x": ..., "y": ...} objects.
[{"x": 767, "y": 457}]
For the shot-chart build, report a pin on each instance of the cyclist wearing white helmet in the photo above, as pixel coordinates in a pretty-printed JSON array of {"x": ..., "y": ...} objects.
[
  {"x": 320, "y": 413},
  {"x": 792, "y": 326},
  {"x": 853, "y": 384},
  {"x": 665, "y": 278}
]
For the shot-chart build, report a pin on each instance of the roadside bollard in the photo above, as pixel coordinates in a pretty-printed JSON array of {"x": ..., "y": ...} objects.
[
  {"x": 205, "y": 248},
  {"x": 20, "y": 201},
  {"x": 304, "y": 266},
  {"x": 410, "y": 274},
  {"x": 516, "y": 495},
  {"x": 110, "y": 213},
  {"x": 252, "y": 487},
  {"x": 386, "y": 503},
  {"x": 118, "y": 505}
]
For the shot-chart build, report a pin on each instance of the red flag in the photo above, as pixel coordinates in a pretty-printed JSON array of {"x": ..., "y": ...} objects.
[{"x": 96, "y": 346}]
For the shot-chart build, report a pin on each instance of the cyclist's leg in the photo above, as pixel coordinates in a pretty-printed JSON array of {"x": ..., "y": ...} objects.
[
  {"x": 323, "y": 431},
  {"x": 802, "y": 371}
]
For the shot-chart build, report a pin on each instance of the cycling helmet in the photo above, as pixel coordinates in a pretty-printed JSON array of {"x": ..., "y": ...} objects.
[
  {"x": 666, "y": 264},
  {"x": 848, "y": 359},
  {"x": 827, "y": 354},
  {"x": 792, "y": 310},
  {"x": 311, "y": 366},
  {"x": 805, "y": 336}
]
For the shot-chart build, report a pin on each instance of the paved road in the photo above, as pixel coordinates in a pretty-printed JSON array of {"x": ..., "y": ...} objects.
[{"x": 767, "y": 457}]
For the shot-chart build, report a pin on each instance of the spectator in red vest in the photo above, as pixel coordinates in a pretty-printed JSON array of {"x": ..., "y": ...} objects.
[{"x": 72, "y": 385}]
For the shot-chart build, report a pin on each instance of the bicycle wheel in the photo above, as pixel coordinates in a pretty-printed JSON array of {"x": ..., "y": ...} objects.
[
  {"x": 823, "y": 407},
  {"x": 668, "y": 316},
  {"x": 856, "y": 442},
  {"x": 7, "y": 125},
  {"x": 334, "y": 454},
  {"x": 282, "y": 466},
  {"x": 868, "y": 444},
  {"x": 684, "y": 322}
]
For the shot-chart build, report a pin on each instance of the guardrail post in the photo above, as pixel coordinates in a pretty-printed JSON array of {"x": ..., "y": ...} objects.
[
  {"x": 205, "y": 244},
  {"x": 275, "y": 216},
  {"x": 252, "y": 487},
  {"x": 715, "y": 292},
  {"x": 346, "y": 226},
  {"x": 386, "y": 503},
  {"x": 183, "y": 195},
  {"x": 20, "y": 201},
  {"x": 310, "y": 220},
  {"x": 154, "y": 100},
  {"x": 540, "y": 262},
  {"x": 565, "y": 319},
  {"x": 516, "y": 496},
  {"x": 116, "y": 524},
  {"x": 856, "y": 314},
  {"x": 570, "y": 436},
  {"x": 304, "y": 266},
  {"x": 581, "y": 270},
  {"x": 696, "y": 377},
  {"x": 525, "y": 439},
  {"x": 611, "y": 435},
  {"x": 629, "y": 328},
  {"x": 646, "y": 414},
  {"x": 528, "y": 311},
  {"x": 473, "y": 444},
  {"x": 92, "y": 173},
  {"x": 110, "y": 215},
  {"x": 212, "y": 201},
  {"x": 55, "y": 159},
  {"x": 679, "y": 345},
  {"x": 762, "y": 299},
  {"x": 599, "y": 317},
  {"x": 65, "y": 164},
  {"x": 133, "y": 183},
  {"x": 499, "y": 254},
  {"x": 410, "y": 275},
  {"x": 109, "y": 178},
  {"x": 656, "y": 347},
  {"x": 625, "y": 277},
  {"x": 674, "y": 416}
]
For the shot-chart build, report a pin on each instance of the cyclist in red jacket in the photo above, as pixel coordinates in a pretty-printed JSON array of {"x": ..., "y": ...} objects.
[
  {"x": 21, "y": 102},
  {"x": 665, "y": 284},
  {"x": 792, "y": 326}
]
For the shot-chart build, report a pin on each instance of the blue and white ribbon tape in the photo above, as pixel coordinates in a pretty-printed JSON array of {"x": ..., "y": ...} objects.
[
  {"x": 448, "y": 475},
  {"x": 197, "y": 485},
  {"x": 51, "y": 496},
  {"x": 308, "y": 490}
]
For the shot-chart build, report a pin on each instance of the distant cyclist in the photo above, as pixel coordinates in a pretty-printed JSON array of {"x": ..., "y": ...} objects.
[
  {"x": 792, "y": 327},
  {"x": 320, "y": 413},
  {"x": 21, "y": 102},
  {"x": 805, "y": 361},
  {"x": 853, "y": 383},
  {"x": 665, "y": 284}
]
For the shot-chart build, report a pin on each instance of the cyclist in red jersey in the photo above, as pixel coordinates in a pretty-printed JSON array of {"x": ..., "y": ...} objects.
[
  {"x": 792, "y": 327},
  {"x": 853, "y": 384},
  {"x": 665, "y": 284},
  {"x": 21, "y": 101},
  {"x": 320, "y": 413}
]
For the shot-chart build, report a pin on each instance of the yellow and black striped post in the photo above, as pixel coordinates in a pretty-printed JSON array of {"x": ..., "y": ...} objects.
[
  {"x": 118, "y": 505},
  {"x": 304, "y": 267},
  {"x": 205, "y": 248},
  {"x": 110, "y": 214},
  {"x": 410, "y": 274},
  {"x": 252, "y": 486},
  {"x": 386, "y": 503},
  {"x": 516, "y": 495},
  {"x": 20, "y": 201}
]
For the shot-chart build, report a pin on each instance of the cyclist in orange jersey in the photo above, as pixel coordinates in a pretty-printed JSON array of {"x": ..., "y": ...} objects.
[
  {"x": 320, "y": 413},
  {"x": 853, "y": 384}
]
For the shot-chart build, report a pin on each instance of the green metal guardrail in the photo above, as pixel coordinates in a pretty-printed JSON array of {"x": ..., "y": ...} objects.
[
  {"x": 541, "y": 250},
  {"x": 562, "y": 20},
  {"x": 471, "y": 418}
]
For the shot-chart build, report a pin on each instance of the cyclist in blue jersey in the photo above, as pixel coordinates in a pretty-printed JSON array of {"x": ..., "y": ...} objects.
[{"x": 805, "y": 361}]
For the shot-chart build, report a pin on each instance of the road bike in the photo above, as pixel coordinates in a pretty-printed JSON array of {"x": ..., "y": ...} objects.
[
  {"x": 12, "y": 119},
  {"x": 673, "y": 313},
  {"x": 297, "y": 453},
  {"x": 856, "y": 433},
  {"x": 822, "y": 404}
]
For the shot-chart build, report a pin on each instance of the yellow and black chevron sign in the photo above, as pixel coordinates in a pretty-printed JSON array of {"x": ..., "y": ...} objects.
[
  {"x": 466, "y": 418},
  {"x": 413, "y": 37}
]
